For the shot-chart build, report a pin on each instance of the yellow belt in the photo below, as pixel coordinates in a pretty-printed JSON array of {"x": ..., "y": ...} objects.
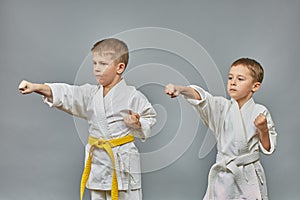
[{"x": 106, "y": 145}]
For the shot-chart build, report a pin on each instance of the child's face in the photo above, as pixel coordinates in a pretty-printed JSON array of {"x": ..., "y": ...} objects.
[
  {"x": 240, "y": 84},
  {"x": 105, "y": 70}
]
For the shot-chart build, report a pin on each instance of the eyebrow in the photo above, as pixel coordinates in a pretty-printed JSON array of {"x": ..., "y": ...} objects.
[
  {"x": 237, "y": 75},
  {"x": 101, "y": 62}
]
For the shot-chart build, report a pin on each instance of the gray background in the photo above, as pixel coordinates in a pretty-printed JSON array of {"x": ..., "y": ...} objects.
[{"x": 47, "y": 41}]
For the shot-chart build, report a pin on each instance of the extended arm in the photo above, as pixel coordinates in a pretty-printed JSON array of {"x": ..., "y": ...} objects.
[
  {"x": 188, "y": 92},
  {"x": 27, "y": 87}
]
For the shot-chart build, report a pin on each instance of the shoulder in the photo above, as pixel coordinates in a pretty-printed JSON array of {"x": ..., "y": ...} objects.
[
  {"x": 88, "y": 88},
  {"x": 260, "y": 107},
  {"x": 135, "y": 94}
]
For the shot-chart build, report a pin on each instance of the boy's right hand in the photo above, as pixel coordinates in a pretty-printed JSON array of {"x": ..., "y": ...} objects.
[
  {"x": 172, "y": 90},
  {"x": 26, "y": 87}
]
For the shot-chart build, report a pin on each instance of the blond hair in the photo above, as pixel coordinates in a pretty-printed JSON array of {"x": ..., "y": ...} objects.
[
  {"x": 255, "y": 68},
  {"x": 113, "y": 47}
]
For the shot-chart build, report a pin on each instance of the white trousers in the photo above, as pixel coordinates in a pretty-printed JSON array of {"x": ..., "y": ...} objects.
[{"x": 123, "y": 194}]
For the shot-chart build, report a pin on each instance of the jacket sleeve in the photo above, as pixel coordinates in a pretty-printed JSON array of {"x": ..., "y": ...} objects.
[
  {"x": 210, "y": 108},
  {"x": 143, "y": 107},
  {"x": 71, "y": 99}
]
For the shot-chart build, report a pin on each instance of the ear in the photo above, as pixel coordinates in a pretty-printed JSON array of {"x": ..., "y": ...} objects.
[
  {"x": 256, "y": 86},
  {"x": 121, "y": 67}
]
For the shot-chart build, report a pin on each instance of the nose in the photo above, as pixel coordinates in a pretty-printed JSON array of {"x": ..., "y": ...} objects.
[
  {"x": 233, "y": 82},
  {"x": 97, "y": 69}
]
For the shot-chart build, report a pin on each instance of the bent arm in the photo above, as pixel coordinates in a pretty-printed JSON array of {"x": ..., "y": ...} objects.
[
  {"x": 143, "y": 116},
  {"x": 27, "y": 87},
  {"x": 267, "y": 133}
]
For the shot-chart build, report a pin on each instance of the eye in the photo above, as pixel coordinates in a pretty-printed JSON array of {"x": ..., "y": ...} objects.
[
  {"x": 229, "y": 77},
  {"x": 241, "y": 79},
  {"x": 103, "y": 63}
]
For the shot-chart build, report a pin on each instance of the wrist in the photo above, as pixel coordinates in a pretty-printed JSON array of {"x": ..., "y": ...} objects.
[
  {"x": 180, "y": 89},
  {"x": 35, "y": 87},
  {"x": 263, "y": 133}
]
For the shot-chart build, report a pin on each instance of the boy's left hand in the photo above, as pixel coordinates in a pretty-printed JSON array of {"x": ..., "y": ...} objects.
[
  {"x": 260, "y": 123},
  {"x": 133, "y": 120}
]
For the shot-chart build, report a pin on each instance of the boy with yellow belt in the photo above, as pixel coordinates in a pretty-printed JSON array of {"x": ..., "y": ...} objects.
[{"x": 114, "y": 111}]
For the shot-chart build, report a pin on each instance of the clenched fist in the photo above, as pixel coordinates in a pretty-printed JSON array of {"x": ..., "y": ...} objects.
[
  {"x": 26, "y": 87},
  {"x": 172, "y": 90},
  {"x": 260, "y": 123},
  {"x": 133, "y": 120}
]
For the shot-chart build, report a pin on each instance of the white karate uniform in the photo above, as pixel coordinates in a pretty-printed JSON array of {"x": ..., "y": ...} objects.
[
  {"x": 237, "y": 173},
  {"x": 105, "y": 117}
]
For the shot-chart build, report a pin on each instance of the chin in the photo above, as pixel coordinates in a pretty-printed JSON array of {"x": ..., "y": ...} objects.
[
  {"x": 233, "y": 97},
  {"x": 100, "y": 82}
]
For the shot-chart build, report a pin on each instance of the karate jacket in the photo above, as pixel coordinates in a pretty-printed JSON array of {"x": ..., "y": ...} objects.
[
  {"x": 104, "y": 116},
  {"x": 237, "y": 173}
]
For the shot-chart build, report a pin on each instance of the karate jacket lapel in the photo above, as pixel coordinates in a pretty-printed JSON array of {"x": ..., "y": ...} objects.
[
  {"x": 99, "y": 107},
  {"x": 241, "y": 135}
]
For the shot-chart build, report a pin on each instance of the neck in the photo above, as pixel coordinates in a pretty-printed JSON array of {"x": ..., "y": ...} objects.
[
  {"x": 107, "y": 88},
  {"x": 242, "y": 102}
]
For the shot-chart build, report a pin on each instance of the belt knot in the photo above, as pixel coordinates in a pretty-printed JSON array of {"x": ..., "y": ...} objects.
[{"x": 107, "y": 145}]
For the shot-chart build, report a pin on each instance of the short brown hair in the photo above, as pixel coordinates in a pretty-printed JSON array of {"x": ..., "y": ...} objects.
[
  {"x": 255, "y": 67},
  {"x": 117, "y": 49}
]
